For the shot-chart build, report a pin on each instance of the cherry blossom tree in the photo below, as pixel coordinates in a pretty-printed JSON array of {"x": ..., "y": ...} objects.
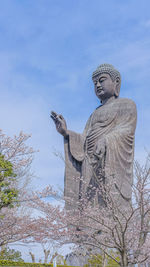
[
  {"x": 19, "y": 154},
  {"x": 17, "y": 221},
  {"x": 15, "y": 161},
  {"x": 123, "y": 229}
]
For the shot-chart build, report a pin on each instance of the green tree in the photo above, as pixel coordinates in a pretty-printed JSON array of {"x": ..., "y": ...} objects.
[
  {"x": 101, "y": 261},
  {"x": 10, "y": 255},
  {"x": 8, "y": 193}
]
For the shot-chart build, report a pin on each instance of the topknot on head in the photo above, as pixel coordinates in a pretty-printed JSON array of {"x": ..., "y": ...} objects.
[{"x": 107, "y": 68}]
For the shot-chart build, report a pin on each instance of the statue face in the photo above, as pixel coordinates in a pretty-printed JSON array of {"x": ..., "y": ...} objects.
[{"x": 104, "y": 86}]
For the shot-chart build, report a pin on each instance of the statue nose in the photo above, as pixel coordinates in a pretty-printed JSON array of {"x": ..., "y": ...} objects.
[{"x": 98, "y": 84}]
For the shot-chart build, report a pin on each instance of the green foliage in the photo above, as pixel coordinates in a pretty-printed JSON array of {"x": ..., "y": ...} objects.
[
  {"x": 10, "y": 255},
  {"x": 97, "y": 260},
  {"x": 8, "y": 194},
  {"x": 112, "y": 263},
  {"x": 20, "y": 264}
]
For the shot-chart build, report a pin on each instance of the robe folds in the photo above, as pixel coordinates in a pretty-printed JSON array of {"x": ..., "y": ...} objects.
[{"x": 113, "y": 123}]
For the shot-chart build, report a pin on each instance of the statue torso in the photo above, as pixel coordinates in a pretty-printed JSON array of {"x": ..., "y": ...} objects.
[{"x": 103, "y": 120}]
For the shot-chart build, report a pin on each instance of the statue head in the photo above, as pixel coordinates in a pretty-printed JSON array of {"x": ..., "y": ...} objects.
[{"x": 112, "y": 72}]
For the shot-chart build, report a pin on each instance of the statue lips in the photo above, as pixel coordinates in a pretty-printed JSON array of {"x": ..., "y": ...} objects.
[{"x": 99, "y": 91}]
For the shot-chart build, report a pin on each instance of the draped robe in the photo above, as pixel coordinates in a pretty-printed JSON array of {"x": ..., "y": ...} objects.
[{"x": 114, "y": 122}]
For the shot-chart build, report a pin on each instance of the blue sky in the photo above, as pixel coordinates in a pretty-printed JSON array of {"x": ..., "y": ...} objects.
[{"x": 48, "y": 51}]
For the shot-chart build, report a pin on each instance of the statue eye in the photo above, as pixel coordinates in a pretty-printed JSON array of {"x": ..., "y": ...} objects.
[{"x": 102, "y": 80}]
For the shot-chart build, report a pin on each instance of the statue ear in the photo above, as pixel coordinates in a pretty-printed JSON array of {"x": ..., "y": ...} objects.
[{"x": 117, "y": 90}]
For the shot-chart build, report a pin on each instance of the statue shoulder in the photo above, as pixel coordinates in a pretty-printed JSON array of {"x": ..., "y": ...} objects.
[
  {"x": 126, "y": 103},
  {"x": 127, "y": 112}
]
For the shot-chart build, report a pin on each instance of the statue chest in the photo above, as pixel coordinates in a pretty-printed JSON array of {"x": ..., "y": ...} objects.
[
  {"x": 103, "y": 116},
  {"x": 102, "y": 121}
]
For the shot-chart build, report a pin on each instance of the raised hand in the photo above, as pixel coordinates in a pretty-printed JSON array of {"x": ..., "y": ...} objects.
[{"x": 60, "y": 123}]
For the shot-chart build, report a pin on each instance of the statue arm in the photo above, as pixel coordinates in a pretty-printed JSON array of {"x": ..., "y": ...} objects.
[
  {"x": 76, "y": 145},
  {"x": 76, "y": 142}
]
